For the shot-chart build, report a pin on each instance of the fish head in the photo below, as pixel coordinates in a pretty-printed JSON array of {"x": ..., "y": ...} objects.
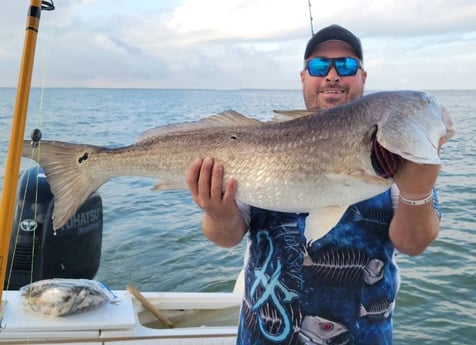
[
  {"x": 414, "y": 126},
  {"x": 440, "y": 113}
]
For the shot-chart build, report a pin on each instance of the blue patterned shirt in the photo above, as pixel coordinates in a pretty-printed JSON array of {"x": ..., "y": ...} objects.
[{"x": 339, "y": 289}]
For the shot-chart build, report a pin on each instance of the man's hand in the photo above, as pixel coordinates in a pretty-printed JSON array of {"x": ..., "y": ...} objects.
[
  {"x": 416, "y": 181},
  {"x": 223, "y": 222}
]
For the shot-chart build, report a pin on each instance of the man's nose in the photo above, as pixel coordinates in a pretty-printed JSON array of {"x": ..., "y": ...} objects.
[{"x": 332, "y": 75}]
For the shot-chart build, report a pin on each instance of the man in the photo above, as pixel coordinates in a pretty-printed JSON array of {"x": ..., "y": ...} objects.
[{"x": 341, "y": 288}]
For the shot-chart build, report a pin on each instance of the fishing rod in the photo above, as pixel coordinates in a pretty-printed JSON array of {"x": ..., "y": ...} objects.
[
  {"x": 12, "y": 167},
  {"x": 310, "y": 17}
]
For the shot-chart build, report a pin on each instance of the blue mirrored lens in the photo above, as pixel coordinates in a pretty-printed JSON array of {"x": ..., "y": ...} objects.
[
  {"x": 319, "y": 67},
  {"x": 346, "y": 66}
]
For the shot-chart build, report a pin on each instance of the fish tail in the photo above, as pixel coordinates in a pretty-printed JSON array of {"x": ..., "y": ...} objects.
[
  {"x": 362, "y": 311},
  {"x": 70, "y": 171}
]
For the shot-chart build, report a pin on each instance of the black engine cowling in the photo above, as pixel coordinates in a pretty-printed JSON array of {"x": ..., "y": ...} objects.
[{"x": 37, "y": 251}]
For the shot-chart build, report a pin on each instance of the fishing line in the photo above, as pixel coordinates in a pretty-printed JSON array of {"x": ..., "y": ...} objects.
[
  {"x": 35, "y": 136},
  {"x": 48, "y": 6}
]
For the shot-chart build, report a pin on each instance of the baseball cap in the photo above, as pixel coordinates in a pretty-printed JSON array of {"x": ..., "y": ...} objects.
[{"x": 334, "y": 32}]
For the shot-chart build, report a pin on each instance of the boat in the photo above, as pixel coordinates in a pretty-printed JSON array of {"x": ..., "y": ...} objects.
[
  {"x": 197, "y": 318},
  {"x": 166, "y": 318}
]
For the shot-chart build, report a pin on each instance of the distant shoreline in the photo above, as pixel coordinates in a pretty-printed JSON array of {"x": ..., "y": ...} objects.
[{"x": 211, "y": 89}]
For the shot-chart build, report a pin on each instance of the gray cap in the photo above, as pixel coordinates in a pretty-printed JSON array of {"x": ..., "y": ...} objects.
[{"x": 334, "y": 32}]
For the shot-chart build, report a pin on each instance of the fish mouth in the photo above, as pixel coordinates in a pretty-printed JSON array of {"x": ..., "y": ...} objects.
[{"x": 449, "y": 124}]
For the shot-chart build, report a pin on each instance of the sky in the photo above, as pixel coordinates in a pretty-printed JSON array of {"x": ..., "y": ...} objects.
[{"x": 234, "y": 44}]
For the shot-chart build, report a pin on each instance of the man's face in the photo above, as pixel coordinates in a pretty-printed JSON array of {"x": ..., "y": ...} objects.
[{"x": 332, "y": 90}]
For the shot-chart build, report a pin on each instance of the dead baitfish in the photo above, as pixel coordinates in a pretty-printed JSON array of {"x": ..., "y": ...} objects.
[
  {"x": 64, "y": 296},
  {"x": 320, "y": 160}
]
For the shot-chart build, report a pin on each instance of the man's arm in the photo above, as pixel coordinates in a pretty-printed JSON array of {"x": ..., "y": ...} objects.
[
  {"x": 223, "y": 222},
  {"x": 415, "y": 227}
]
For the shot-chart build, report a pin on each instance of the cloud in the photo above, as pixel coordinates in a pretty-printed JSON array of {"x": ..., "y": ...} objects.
[{"x": 238, "y": 43}]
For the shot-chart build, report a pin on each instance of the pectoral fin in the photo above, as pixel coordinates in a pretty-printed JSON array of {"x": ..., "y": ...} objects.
[
  {"x": 167, "y": 185},
  {"x": 321, "y": 221}
]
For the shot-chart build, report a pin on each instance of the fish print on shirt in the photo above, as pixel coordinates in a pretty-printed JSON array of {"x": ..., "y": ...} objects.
[
  {"x": 345, "y": 267},
  {"x": 377, "y": 311}
]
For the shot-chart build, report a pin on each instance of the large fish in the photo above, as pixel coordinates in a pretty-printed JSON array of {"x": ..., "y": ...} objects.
[{"x": 311, "y": 162}]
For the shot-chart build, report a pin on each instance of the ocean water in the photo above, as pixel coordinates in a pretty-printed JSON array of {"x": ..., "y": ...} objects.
[{"x": 153, "y": 239}]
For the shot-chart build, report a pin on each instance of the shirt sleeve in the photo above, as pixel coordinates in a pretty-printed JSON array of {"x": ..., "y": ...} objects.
[{"x": 245, "y": 211}]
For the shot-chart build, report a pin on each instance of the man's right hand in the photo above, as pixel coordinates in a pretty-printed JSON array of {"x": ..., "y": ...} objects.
[{"x": 223, "y": 222}]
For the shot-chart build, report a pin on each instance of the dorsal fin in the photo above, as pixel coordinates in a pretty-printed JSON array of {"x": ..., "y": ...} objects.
[
  {"x": 287, "y": 115},
  {"x": 228, "y": 118}
]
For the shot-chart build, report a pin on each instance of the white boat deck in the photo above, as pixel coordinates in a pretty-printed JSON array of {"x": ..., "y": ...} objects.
[{"x": 199, "y": 318}]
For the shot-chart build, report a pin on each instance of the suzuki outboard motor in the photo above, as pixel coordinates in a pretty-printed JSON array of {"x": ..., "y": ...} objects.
[{"x": 37, "y": 251}]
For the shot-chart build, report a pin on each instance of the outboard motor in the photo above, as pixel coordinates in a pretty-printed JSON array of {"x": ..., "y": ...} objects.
[{"x": 40, "y": 252}]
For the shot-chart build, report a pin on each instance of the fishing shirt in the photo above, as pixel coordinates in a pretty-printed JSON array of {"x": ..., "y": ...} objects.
[{"x": 339, "y": 289}]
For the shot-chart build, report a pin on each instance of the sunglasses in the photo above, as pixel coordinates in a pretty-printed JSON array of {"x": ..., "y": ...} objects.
[{"x": 320, "y": 66}]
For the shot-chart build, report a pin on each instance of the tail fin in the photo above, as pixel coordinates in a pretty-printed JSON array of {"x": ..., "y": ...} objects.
[{"x": 70, "y": 173}]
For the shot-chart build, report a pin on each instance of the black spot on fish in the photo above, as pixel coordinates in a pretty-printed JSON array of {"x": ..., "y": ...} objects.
[{"x": 84, "y": 157}]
